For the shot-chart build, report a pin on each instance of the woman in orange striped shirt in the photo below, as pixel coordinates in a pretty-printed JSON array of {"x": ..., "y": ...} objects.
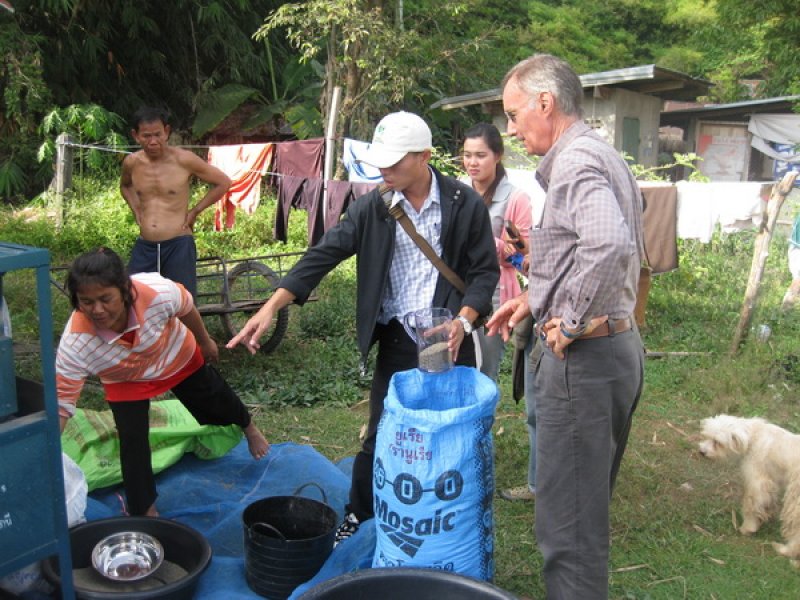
[{"x": 142, "y": 336}]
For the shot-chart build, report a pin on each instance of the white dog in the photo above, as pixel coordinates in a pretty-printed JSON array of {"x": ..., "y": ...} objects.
[{"x": 770, "y": 463}]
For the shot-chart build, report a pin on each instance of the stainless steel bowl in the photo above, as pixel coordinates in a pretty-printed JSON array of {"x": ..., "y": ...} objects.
[{"x": 127, "y": 556}]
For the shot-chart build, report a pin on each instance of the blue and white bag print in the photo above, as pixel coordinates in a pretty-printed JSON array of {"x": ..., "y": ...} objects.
[{"x": 434, "y": 472}]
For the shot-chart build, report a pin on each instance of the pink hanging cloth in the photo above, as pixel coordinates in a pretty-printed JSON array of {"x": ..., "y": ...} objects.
[{"x": 245, "y": 164}]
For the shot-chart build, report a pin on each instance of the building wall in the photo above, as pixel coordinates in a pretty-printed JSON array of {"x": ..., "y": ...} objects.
[{"x": 645, "y": 108}]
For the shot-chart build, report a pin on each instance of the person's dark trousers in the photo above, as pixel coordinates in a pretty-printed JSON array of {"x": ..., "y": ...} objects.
[
  {"x": 175, "y": 259},
  {"x": 584, "y": 408},
  {"x": 133, "y": 426},
  {"x": 209, "y": 399},
  {"x": 396, "y": 352}
]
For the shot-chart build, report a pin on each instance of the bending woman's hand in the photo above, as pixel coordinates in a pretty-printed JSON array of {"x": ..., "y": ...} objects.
[
  {"x": 509, "y": 314},
  {"x": 210, "y": 351}
]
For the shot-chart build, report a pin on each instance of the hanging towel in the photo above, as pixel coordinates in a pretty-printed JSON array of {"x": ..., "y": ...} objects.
[
  {"x": 739, "y": 205},
  {"x": 735, "y": 205},
  {"x": 300, "y": 158},
  {"x": 695, "y": 211},
  {"x": 354, "y": 150},
  {"x": 660, "y": 224},
  {"x": 245, "y": 164}
]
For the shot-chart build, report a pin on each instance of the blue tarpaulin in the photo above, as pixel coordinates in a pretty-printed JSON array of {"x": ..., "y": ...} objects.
[{"x": 210, "y": 495}]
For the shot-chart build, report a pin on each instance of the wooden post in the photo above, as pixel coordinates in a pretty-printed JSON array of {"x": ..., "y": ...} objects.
[
  {"x": 760, "y": 253},
  {"x": 63, "y": 178},
  {"x": 330, "y": 148}
]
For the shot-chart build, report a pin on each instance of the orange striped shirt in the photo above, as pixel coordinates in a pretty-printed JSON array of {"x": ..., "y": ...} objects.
[{"x": 162, "y": 354}]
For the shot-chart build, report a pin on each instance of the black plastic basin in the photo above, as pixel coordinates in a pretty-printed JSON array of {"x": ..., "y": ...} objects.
[
  {"x": 183, "y": 546},
  {"x": 403, "y": 583}
]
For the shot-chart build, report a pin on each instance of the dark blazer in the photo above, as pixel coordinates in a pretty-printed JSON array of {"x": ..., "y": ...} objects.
[{"x": 367, "y": 230}]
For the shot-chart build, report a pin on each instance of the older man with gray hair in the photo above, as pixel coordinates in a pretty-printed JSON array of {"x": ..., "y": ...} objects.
[{"x": 585, "y": 258}]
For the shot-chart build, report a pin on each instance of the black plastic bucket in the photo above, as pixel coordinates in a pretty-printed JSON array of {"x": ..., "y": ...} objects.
[
  {"x": 183, "y": 546},
  {"x": 287, "y": 539},
  {"x": 402, "y": 583}
]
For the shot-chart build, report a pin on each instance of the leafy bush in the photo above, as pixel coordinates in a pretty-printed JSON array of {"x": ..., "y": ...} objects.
[
  {"x": 86, "y": 124},
  {"x": 662, "y": 171},
  {"x": 94, "y": 215}
]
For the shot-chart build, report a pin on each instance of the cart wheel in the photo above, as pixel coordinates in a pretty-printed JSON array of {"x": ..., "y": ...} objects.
[{"x": 248, "y": 281}]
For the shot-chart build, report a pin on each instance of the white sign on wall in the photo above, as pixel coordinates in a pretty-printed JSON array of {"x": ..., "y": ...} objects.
[{"x": 725, "y": 149}]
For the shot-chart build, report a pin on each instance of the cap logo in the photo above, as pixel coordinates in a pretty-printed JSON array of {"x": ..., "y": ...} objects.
[{"x": 378, "y": 136}]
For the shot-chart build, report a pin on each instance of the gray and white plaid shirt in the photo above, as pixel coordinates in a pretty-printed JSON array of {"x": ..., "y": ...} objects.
[
  {"x": 587, "y": 251},
  {"x": 412, "y": 277}
]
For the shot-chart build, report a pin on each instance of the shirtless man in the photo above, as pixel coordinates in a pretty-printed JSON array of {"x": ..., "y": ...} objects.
[{"x": 155, "y": 183}]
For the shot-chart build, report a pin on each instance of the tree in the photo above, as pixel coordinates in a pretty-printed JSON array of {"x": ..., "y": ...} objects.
[
  {"x": 197, "y": 59},
  {"x": 762, "y": 38},
  {"x": 124, "y": 54},
  {"x": 25, "y": 95},
  {"x": 378, "y": 64}
]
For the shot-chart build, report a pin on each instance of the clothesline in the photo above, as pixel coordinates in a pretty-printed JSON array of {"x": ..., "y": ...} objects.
[
  {"x": 185, "y": 146},
  {"x": 100, "y": 148},
  {"x": 116, "y": 148}
]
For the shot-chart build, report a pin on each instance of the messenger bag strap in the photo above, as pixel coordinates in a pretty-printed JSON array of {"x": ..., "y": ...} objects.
[{"x": 400, "y": 215}]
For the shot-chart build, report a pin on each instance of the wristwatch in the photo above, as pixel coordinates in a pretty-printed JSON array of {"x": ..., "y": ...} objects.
[
  {"x": 571, "y": 335},
  {"x": 468, "y": 328}
]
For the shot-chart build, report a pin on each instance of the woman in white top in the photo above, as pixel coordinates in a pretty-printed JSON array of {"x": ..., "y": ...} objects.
[{"x": 482, "y": 155}]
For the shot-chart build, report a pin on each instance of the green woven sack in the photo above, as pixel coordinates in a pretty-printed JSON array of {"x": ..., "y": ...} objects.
[{"x": 90, "y": 439}]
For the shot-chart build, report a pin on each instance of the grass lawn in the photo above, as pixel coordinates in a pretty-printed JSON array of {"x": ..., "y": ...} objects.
[{"x": 674, "y": 515}]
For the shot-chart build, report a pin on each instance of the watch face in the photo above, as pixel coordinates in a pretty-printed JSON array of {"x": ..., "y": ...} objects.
[{"x": 467, "y": 325}]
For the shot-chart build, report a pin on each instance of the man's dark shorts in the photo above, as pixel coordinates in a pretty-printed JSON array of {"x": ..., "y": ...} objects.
[{"x": 175, "y": 259}]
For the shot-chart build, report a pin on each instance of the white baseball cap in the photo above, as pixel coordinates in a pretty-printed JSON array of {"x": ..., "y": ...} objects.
[{"x": 396, "y": 135}]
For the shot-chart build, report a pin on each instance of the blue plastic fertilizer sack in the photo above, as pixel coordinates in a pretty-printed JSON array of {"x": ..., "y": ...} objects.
[{"x": 434, "y": 472}]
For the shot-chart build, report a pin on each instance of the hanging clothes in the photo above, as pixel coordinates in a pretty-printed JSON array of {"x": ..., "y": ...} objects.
[
  {"x": 245, "y": 164},
  {"x": 301, "y": 158},
  {"x": 295, "y": 162},
  {"x": 771, "y": 130},
  {"x": 660, "y": 225},
  {"x": 311, "y": 197},
  {"x": 362, "y": 189},
  {"x": 353, "y": 151},
  {"x": 289, "y": 188},
  {"x": 340, "y": 194},
  {"x": 299, "y": 192}
]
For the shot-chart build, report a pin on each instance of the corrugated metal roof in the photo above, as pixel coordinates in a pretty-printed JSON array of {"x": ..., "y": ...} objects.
[
  {"x": 645, "y": 79},
  {"x": 732, "y": 110}
]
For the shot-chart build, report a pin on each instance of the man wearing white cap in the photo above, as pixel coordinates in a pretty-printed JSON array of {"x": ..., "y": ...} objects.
[{"x": 393, "y": 275}]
